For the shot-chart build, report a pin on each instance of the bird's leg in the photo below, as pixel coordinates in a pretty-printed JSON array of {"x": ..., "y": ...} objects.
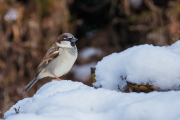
[{"x": 57, "y": 78}]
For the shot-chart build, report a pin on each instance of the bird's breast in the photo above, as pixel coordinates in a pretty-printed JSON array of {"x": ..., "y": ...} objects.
[{"x": 64, "y": 62}]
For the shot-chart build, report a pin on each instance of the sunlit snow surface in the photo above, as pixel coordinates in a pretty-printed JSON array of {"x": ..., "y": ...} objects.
[
  {"x": 67, "y": 100},
  {"x": 157, "y": 66}
]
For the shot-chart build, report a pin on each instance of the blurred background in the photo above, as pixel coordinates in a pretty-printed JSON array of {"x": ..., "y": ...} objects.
[{"x": 29, "y": 27}]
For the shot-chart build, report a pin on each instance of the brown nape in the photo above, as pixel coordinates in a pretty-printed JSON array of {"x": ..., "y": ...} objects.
[{"x": 61, "y": 38}]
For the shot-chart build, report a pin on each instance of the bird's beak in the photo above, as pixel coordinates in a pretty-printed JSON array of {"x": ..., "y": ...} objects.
[{"x": 74, "y": 39}]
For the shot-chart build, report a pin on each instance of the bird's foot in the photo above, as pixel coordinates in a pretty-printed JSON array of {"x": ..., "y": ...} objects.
[{"x": 57, "y": 78}]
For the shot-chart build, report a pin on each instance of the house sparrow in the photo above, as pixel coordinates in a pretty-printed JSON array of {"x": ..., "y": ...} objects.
[{"x": 58, "y": 59}]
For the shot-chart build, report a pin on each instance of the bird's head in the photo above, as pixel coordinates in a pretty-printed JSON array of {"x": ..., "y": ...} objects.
[{"x": 66, "y": 40}]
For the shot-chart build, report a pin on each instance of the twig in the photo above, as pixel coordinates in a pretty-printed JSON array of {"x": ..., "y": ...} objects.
[
  {"x": 93, "y": 74},
  {"x": 120, "y": 89},
  {"x": 1, "y": 114},
  {"x": 16, "y": 110}
]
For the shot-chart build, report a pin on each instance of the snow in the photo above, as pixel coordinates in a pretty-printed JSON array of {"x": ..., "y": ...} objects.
[
  {"x": 67, "y": 100},
  {"x": 87, "y": 53},
  {"x": 175, "y": 47},
  {"x": 12, "y": 14},
  {"x": 82, "y": 72},
  {"x": 143, "y": 64}
]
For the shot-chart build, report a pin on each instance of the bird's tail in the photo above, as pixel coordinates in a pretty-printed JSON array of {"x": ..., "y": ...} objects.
[{"x": 26, "y": 89}]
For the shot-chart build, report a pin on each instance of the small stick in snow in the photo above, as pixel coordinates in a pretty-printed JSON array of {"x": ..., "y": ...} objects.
[
  {"x": 93, "y": 74},
  {"x": 16, "y": 110},
  {"x": 130, "y": 89},
  {"x": 154, "y": 88},
  {"x": 120, "y": 89}
]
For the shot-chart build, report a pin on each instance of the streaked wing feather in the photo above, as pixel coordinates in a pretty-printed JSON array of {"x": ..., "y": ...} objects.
[{"x": 52, "y": 53}]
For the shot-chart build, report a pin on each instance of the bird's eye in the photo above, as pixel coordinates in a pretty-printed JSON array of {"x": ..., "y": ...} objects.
[
  {"x": 66, "y": 39},
  {"x": 69, "y": 39}
]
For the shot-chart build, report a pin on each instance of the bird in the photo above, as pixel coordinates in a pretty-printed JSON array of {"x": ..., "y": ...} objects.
[{"x": 58, "y": 60}]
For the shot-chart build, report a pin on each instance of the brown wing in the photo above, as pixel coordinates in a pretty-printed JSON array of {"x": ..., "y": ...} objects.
[{"x": 52, "y": 53}]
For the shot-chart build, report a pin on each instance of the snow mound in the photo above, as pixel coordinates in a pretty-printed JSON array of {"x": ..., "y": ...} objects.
[
  {"x": 143, "y": 64},
  {"x": 67, "y": 100}
]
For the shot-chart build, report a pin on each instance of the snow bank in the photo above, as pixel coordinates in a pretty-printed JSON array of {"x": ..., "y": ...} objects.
[
  {"x": 157, "y": 66},
  {"x": 67, "y": 100}
]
